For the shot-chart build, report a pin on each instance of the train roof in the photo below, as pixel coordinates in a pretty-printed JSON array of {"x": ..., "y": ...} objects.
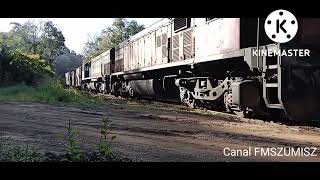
[
  {"x": 74, "y": 69},
  {"x": 155, "y": 26},
  {"x": 100, "y": 55}
]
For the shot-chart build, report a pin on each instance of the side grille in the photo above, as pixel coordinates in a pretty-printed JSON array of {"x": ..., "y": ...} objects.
[
  {"x": 187, "y": 44},
  {"x": 181, "y": 23},
  {"x": 158, "y": 41},
  {"x": 164, "y": 45},
  {"x": 175, "y": 48}
]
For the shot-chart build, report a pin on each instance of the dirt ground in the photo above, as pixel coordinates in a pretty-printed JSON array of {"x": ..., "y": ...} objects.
[{"x": 154, "y": 131}]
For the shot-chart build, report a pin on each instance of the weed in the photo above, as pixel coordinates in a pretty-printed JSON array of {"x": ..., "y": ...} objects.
[
  {"x": 104, "y": 146},
  {"x": 72, "y": 146},
  {"x": 18, "y": 154}
]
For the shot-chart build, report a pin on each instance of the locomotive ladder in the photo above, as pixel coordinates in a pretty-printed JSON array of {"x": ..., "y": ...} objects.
[{"x": 272, "y": 90}]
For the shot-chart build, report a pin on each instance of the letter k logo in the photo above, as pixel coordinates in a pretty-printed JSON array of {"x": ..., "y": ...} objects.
[{"x": 281, "y": 26}]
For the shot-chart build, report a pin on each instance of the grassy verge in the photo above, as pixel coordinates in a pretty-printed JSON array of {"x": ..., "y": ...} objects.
[
  {"x": 101, "y": 152},
  {"x": 13, "y": 153},
  {"x": 52, "y": 93}
]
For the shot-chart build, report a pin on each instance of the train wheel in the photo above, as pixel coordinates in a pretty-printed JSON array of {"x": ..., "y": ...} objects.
[
  {"x": 191, "y": 103},
  {"x": 187, "y": 98},
  {"x": 249, "y": 113},
  {"x": 246, "y": 113},
  {"x": 131, "y": 93}
]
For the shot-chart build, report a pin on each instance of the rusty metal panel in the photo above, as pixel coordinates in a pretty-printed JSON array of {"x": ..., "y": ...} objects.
[
  {"x": 183, "y": 45},
  {"x": 119, "y": 53},
  {"x": 135, "y": 60},
  {"x": 164, "y": 47},
  {"x": 72, "y": 78},
  {"x": 217, "y": 36},
  {"x": 78, "y": 77},
  {"x": 67, "y": 76},
  {"x": 119, "y": 65},
  {"x": 161, "y": 45},
  {"x": 141, "y": 52},
  {"x": 137, "y": 54},
  {"x": 96, "y": 67},
  {"x": 134, "y": 55},
  {"x": 131, "y": 56},
  {"x": 107, "y": 69},
  {"x": 148, "y": 50},
  {"x": 105, "y": 58},
  {"x": 158, "y": 47},
  {"x": 126, "y": 56},
  {"x": 175, "y": 48},
  {"x": 153, "y": 48},
  {"x": 188, "y": 45},
  {"x": 119, "y": 59}
]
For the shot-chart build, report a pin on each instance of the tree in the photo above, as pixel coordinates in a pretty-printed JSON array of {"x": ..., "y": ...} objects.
[
  {"x": 41, "y": 38},
  {"x": 28, "y": 51},
  {"x": 52, "y": 42},
  {"x": 120, "y": 31},
  {"x": 26, "y": 37},
  {"x": 19, "y": 67},
  {"x": 110, "y": 37},
  {"x": 132, "y": 28},
  {"x": 91, "y": 48}
]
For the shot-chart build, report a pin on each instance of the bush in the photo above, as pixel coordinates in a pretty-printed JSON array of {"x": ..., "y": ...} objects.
[
  {"x": 9, "y": 152},
  {"x": 52, "y": 92},
  {"x": 18, "y": 67}
]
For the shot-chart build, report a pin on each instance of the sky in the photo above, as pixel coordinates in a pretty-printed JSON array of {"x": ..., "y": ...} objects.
[{"x": 76, "y": 30}]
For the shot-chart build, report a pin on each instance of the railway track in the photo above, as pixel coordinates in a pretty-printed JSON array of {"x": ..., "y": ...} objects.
[{"x": 266, "y": 118}]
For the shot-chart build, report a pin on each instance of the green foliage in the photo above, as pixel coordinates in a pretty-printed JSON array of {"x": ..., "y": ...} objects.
[
  {"x": 41, "y": 38},
  {"x": 26, "y": 68},
  {"x": 28, "y": 51},
  {"x": 72, "y": 146},
  {"x": 110, "y": 37},
  {"x": 104, "y": 146},
  {"x": 73, "y": 152},
  {"x": 52, "y": 41},
  {"x": 52, "y": 92},
  {"x": 18, "y": 154}
]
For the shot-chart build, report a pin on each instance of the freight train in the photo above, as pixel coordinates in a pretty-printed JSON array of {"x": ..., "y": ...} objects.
[{"x": 212, "y": 63}]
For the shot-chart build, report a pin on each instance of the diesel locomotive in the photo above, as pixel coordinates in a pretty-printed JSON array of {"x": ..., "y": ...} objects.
[{"x": 212, "y": 63}]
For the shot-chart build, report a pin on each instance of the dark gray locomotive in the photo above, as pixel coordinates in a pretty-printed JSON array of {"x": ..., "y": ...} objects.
[{"x": 211, "y": 63}]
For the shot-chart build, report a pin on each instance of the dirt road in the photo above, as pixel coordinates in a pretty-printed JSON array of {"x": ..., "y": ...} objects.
[{"x": 153, "y": 131}]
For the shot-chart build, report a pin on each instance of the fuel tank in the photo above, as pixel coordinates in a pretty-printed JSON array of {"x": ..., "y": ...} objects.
[{"x": 147, "y": 88}]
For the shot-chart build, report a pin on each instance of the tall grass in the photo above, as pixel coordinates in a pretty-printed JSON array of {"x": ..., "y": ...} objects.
[{"x": 52, "y": 92}]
